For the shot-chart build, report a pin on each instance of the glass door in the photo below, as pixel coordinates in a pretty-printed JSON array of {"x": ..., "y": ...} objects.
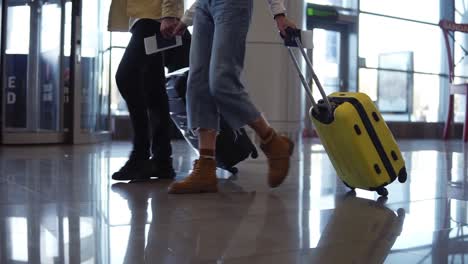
[
  {"x": 52, "y": 67},
  {"x": 327, "y": 59},
  {"x": 49, "y": 70},
  {"x": 330, "y": 65},
  {"x": 91, "y": 97},
  {"x": 334, "y": 54},
  {"x": 32, "y": 72}
]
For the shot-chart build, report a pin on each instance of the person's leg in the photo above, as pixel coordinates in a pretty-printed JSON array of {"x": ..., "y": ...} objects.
[
  {"x": 128, "y": 79},
  {"x": 201, "y": 108},
  {"x": 227, "y": 62},
  {"x": 278, "y": 150},
  {"x": 154, "y": 83}
]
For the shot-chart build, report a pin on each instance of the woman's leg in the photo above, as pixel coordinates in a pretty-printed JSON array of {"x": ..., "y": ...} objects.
[
  {"x": 201, "y": 108},
  {"x": 278, "y": 150},
  {"x": 232, "y": 20}
]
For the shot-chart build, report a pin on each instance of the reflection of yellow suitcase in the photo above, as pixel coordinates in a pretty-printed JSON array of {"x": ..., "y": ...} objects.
[
  {"x": 359, "y": 143},
  {"x": 361, "y": 230}
]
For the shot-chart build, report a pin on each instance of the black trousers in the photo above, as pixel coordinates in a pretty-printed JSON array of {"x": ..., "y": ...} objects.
[{"x": 141, "y": 81}]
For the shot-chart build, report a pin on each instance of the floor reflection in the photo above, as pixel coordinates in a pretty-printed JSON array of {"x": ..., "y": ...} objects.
[
  {"x": 58, "y": 205},
  {"x": 171, "y": 237},
  {"x": 359, "y": 231}
]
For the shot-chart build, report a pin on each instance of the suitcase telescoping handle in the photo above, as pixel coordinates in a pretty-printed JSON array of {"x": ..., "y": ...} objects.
[{"x": 293, "y": 39}]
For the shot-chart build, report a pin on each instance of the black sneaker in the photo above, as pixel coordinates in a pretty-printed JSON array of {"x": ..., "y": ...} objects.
[
  {"x": 134, "y": 169},
  {"x": 162, "y": 169}
]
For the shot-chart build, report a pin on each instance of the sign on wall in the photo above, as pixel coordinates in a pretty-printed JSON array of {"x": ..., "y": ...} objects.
[{"x": 15, "y": 93}]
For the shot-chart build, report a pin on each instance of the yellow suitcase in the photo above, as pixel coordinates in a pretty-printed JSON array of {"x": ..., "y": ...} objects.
[{"x": 358, "y": 141}]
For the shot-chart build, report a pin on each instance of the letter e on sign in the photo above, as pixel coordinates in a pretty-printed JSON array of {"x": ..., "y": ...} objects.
[{"x": 12, "y": 82}]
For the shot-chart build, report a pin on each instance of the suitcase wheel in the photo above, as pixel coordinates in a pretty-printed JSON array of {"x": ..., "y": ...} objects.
[
  {"x": 382, "y": 192},
  {"x": 402, "y": 178},
  {"x": 254, "y": 154},
  {"x": 402, "y": 175},
  {"x": 233, "y": 170}
]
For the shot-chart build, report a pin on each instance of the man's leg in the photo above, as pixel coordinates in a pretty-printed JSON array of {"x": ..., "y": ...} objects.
[
  {"x": 128, "y": 79},
  {"x": 158, "y": 107}
]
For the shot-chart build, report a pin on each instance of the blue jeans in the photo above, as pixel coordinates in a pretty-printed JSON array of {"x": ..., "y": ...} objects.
[{"x": 216, "y": 63}]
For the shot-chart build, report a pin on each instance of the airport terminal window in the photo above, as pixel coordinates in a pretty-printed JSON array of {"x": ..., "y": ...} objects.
[
  {"x": 461, "y": 39},
  {"x": 460, "y": 56},
  {"x": 94, "y": 102},
  {"x": 67, "y": 29},
  {"x": 333, "y": 39},
  {"x": 461, "y": 8},
  {"x": 380, "y": 35},
  {"x": 118, "y": 106},
  {"x": 389, "y": 50},
  {"x": 19, "y": 26},
  {"x": 420, "y": 10}
]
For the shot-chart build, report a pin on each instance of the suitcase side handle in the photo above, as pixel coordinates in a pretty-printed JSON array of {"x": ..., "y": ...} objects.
[{"x": 293, "y": 39}]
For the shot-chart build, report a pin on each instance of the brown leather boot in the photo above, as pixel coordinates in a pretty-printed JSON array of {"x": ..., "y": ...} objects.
[
  {"x": 278, "y": 150},
  {"x": 202, "y": 179}
]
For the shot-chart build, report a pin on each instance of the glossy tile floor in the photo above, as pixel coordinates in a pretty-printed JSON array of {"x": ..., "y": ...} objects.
[{"x": 58, "y": 205}]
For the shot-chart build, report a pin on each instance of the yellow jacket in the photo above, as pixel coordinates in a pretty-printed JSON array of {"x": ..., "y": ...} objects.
[{"x": 122, "y": 10}]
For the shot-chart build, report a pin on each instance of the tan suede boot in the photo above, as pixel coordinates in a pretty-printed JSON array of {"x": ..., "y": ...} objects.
[
  {"x": 278, "y": 150},
  {"x": 202, "y": 179}
]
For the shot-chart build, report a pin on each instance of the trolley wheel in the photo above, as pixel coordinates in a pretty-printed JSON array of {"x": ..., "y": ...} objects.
[
  {"x": 254, "y": 154},
  {"x": 382, "y": 192},
  {"x": 233, "y": 170},
  {"x": 402, "y": 176}
]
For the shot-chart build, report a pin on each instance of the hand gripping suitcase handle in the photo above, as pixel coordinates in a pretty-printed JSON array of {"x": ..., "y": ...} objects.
[{"x": 293, "y": 39}]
